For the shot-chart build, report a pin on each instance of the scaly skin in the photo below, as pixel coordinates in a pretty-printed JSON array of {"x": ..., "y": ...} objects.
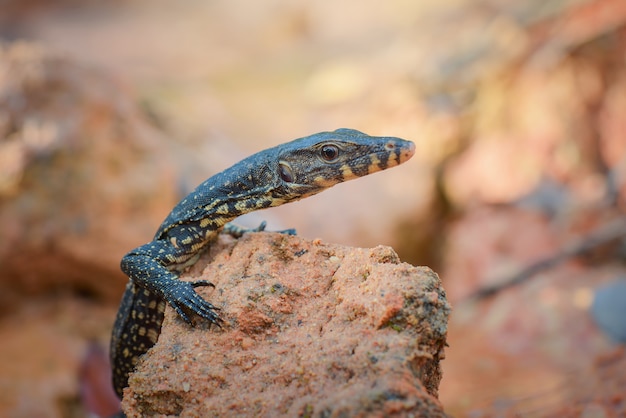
[{"x": 278, "y": 175}]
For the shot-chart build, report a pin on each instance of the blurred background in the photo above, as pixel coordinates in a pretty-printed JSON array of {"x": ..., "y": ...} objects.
[{"x": 110, "y": 112}]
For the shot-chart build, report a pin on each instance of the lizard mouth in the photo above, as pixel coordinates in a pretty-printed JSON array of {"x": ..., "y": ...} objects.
[
  {"x": 394, "y": 152},
  {"x": 401, "y": 149}
]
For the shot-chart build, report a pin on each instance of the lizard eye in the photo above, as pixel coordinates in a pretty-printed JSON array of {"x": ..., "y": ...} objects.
[
  {"x": 285, "y": 173},
  {"x": 329, "y": 152}
]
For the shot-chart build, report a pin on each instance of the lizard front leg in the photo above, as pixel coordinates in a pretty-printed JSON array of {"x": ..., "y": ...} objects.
[
  {"x": 138, "y": 323},
  {"x": 146, "y": 268}
]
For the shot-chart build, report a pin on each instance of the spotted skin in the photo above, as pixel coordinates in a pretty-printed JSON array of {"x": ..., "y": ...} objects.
[{"x": 272, "y": 177}]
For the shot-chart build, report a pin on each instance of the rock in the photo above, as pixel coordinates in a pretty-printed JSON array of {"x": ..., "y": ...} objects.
[
  {"x": 83, "y": 177},
  {"x": 311, "y": 329}
]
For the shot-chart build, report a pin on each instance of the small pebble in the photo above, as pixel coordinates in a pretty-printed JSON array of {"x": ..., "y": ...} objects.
[{"x": 609, "y": 309}]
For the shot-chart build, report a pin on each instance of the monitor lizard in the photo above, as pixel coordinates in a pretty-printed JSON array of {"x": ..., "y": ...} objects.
[{"x": 275, "y": 176}]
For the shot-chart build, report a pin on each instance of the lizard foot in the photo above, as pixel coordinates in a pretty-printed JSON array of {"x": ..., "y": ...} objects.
[
  {"x": 184, "y": 299},
  {"x": 237, "y": 231}
]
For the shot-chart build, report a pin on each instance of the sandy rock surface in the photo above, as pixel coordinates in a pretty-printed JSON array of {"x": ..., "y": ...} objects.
[{"x": 311, "y": 329}]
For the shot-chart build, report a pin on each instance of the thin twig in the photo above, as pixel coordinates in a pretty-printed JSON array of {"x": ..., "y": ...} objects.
[{"x": 602, "y": 235}]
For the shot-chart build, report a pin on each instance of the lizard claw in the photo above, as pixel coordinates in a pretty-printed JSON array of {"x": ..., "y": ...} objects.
[
  {"x": 181, "y": 296},
  {"x": 290, "y": 231},
  {"x": 237, "y": 231},
  {"x": 199, "y": 283}
]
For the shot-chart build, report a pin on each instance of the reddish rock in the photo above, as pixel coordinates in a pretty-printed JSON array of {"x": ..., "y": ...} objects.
[
  {"x": 311, "y": 329},
  {"x": 78, "y": 161}
]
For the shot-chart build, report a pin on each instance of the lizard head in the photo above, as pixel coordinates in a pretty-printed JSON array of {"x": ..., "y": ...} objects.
[
  {"x": 308, "y": 165},
  {"x": 288, "y": 172}
]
